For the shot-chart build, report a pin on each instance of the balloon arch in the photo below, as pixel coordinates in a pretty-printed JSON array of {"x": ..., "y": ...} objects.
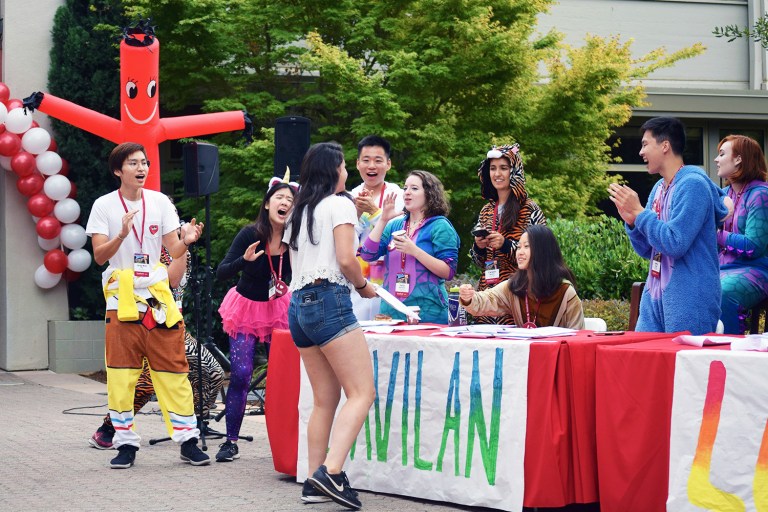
[{"x": 30, "y": 153}]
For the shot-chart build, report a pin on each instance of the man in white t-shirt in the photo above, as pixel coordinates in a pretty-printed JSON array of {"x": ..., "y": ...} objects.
[
  {"x": 373, "y": 162},
  {"x": 128, "y": 228}
]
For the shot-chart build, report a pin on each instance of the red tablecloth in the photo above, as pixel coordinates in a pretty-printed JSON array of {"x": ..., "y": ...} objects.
[
  {"x": 634, "y": 385},
  {"x": 560, "y": 447}
]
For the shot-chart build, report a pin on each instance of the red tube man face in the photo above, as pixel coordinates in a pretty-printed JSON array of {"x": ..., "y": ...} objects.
[
  {"x": 139, "y": 105},
  {"x": 139, "y": 74}
]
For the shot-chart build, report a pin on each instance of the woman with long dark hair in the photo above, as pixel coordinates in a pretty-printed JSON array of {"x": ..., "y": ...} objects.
[
  {"x": 323, "y": 243},
  {"x": 540, "y": 294},
  {"x": 259, "y": 302},
  {"x": 743, "y": 238},
  {"x": 502, "y": 220}
]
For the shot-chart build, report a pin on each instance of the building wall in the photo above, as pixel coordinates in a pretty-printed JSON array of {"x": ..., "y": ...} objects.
[
  {"x": 25, "y": 309},
  {"x": 720, "y": 91}
]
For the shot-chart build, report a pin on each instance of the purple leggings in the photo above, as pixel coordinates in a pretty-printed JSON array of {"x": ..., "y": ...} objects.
[{"x": 241, "y": 352}]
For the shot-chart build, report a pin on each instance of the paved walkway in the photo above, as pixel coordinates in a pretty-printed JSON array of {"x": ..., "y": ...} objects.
[{"x": 47, "y": 465}]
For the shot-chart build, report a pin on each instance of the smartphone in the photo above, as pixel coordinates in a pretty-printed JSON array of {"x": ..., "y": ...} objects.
[
  {"x": 480, "y": 232},
  {"x": 608, "y": 333}
]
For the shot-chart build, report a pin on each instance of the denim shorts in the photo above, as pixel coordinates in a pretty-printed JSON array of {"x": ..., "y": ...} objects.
[{"x": 320, "y": 313}]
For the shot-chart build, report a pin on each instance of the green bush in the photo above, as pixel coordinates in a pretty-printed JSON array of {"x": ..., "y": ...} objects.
[
  {"x": 598, "y": 251},
  {"x": 614, "y": 312}
]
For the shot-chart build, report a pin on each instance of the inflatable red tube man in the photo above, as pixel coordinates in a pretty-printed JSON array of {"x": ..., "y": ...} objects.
[{"x": 139, "y": 105}]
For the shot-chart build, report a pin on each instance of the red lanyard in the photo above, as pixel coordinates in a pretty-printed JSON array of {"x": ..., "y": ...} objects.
[
  {"x": 528, "y": 311},
  {"x": 279, "y": 276},
  {"x": 381, "y": 197},
  {"x": 663, "y": 196},
  {"x": 143, "y": 218},
  {"x": 412, "y": 237},
  {"x": 495, "y": 217},
  {"x": 734, "y": 224}
]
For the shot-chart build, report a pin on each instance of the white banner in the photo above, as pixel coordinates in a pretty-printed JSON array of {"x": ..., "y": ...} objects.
[
  {"x": 719, "y": 440},
  {"x": 448, "y": 422}
]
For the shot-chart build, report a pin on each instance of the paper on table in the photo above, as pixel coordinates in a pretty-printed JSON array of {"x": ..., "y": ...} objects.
[
  {"x": 538, "y": 332},
  {"x": 395, "y": 303},
  {"x": 753, "y": 342},
  {"x": 702, "y": 341}
]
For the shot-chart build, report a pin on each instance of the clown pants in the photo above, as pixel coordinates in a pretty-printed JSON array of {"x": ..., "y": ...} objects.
[{"x": 127, "y": 344}]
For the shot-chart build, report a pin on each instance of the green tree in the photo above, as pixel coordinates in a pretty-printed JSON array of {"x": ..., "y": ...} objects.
[
  {"x": 758, "y": 33},
  {"x": 85, "y": 70},
  {"x": 443, "y": 80}
]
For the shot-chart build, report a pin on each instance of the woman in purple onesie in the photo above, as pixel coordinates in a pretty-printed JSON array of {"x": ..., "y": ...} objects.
[
  {"x": 259, "y": 302},
  {"x": 743, "y": 239}
]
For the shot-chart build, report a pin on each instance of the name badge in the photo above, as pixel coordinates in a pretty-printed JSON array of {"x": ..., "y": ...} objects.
[
  {"x": 141, "y": 265},
  {"x": 402, "y": 285},
  {"x": 492, "y": 272},
  {"x": 656, "y": 265}
]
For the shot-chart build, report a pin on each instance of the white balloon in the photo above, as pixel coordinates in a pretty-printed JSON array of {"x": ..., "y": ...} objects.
[
  {"x": 49, "y": 245},
  {"x": 57, "y": 187},
  {"x": 45, "y": 279},
  {"x": 73, "y": 236},
  {"x": 18, "y": 121},
  {"x": 36, "y": 140},
  {"x": 3, "y": 112},
  {"x": 78, "y": 260},
  {"x": 48, "y": 162},
  {"x": 5, "y": 161},
  {"x": 67, "y": 210}
]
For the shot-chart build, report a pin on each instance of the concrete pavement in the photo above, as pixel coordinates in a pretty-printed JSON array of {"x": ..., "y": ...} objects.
[{"x": 47, "y": 464}]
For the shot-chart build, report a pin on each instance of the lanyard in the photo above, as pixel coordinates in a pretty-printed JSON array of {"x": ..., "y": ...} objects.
[
  {"x": 734, "y": 227},
  {"x": 662, "y": 201},
  {"x": 279, "y": 276},
  {"x": 381, "y": 197},
  {"x": 412, "y": 237},
  {"x": 143, "y": 218},
  {"x": 528, "y": 311}
]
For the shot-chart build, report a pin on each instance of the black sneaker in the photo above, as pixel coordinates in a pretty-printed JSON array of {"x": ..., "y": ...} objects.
[
  {"x": 335, "y": 487},
  {"x": 192, "y": 454},
  {"x": 311, "y": 495},
  {"x": 228, "y": 452},
  {"x": 126, "y": 455}
]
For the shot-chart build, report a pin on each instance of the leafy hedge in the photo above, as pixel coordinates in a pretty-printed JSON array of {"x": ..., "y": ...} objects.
[{"x": 598, "y": 251}]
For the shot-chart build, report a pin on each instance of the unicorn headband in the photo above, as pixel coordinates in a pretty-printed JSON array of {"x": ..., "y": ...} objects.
[{"x": 285, "y": 179}]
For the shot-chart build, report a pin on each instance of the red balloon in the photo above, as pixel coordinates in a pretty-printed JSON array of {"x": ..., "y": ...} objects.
[
  {"x": 30, "y": 185},
  {"x": 35, "y": 124},
  {"x": 5, "y": 92},
  {"x": 55, "y": 261},
  {"x": 49, "y": 227},
  {"x": 10, "y": 143},
  {"x": 2, "y": 128},
  {"x": 64, "y": 171},
  {"x": 23, "y": 163},
  {"x": 40, "y": 205},
  {"x": 73, "y": 192},
  {"x": 71, "y": 275},
  {"x": 14, "y": 103},
  {"x": 53, "y": 146}
]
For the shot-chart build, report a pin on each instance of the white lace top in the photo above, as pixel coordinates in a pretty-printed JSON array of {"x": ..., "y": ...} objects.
[{"x": 311, "y": 262}]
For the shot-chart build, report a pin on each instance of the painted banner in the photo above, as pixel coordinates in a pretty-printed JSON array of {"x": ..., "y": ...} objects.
[
  {"x": 447, "y": 424},
  {"x": 719, "y": 436}
]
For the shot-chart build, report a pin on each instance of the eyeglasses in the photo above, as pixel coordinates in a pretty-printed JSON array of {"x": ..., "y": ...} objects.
[{"x": 134, "y": 164}]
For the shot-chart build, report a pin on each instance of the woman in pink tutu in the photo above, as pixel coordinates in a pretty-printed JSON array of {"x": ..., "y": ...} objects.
[{"x": 259, "y": 302}]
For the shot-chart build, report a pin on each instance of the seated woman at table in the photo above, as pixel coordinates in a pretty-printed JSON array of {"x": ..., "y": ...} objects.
[
  {"x": 421, "y": 248},
  {"x": 743, "y": 239},
  {"x": 540, "y": 294}
]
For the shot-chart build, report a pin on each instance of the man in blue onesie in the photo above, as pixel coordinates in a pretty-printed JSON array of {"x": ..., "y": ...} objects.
[{"x": 676, "y": 231}]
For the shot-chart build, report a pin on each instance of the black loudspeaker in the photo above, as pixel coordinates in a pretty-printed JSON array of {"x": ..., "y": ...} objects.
[
  {"x": 291, "y": 144},
  {"x": 201, "y": 169}
]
